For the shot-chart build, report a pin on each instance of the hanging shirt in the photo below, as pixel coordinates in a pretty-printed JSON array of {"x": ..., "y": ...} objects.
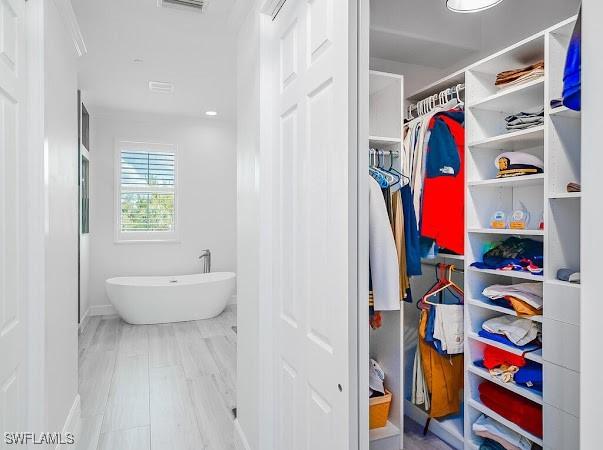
[
  {"x": 383, "y": 256},
  {"x": 443, "y": 212}
]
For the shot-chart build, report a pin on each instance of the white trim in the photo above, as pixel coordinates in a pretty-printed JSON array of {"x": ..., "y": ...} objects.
[
  {"x": 154, "y": 237},
  {"x": 72, "y": 421},
  {"x": 68, "y": 15},
  {"x": 242, "y": 439},
  {"x": 102, "y": 310},
  {"x": 35, "y": 196}
]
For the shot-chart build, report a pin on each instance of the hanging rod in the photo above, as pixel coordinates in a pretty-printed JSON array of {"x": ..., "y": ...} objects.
[
  {"x": 426, "y": 105},
  {"x": 394, "y": 153}
]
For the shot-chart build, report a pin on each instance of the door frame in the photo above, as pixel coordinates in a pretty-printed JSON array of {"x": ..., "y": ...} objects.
[{"x": 358, "y": 223}]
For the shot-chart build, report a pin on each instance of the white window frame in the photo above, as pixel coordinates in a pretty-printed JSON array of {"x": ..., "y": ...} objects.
[{"x": 133, "y": 237}]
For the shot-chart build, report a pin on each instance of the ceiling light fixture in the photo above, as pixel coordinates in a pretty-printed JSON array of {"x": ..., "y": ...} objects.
[
  {"x": 470, "y": 6},
  {"x": 211, "y": 113}
]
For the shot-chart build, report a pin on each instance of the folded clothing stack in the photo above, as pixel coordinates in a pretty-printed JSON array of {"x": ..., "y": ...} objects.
[
  {"x": 513, "y": 407},
  {"x": 520, "y": 332},
  {"x": 490, "y": 429},
  {"x": 525, "y": 120},
  {"x": 511, "y": 368},
  {"x": 524, "y": 298},
  {"x": 514, "y": 253},
  {"x": 519, "y": 76}
]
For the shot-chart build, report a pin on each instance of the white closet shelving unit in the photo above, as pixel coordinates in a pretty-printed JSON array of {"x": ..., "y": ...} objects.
[
  {"x": 557, "y": 143},
  {"x": 386, "y": 97}
]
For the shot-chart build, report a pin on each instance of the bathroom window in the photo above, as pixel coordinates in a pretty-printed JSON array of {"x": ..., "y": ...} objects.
[{"x": 146, "y": 195}]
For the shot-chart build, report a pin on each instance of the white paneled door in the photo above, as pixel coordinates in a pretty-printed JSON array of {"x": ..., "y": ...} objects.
[
  {"x": 12, "y": 147},
  {"x": 313, "y": 205}
]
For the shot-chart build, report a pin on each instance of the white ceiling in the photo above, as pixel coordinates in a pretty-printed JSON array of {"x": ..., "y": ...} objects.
[
  {"x": 426, "y": 33},
  {"x": 195, "y": 52}
]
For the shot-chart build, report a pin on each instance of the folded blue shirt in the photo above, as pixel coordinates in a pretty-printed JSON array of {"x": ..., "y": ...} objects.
[{"x": 503, "y": 340}]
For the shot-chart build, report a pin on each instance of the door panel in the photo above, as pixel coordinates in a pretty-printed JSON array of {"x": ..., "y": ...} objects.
[
  {"x": 312, "y": 158},
  {"x": 12, "y": 337}
]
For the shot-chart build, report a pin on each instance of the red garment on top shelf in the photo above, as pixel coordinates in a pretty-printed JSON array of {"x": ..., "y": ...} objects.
[
  {"x": 443, "y": 204},
  {"x": 513, "y": 407}
]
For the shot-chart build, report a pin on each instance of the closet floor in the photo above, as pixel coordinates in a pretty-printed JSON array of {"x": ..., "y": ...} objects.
[
  {"x": 156, "y": 387},
  {"x": 414, "y": 439}
]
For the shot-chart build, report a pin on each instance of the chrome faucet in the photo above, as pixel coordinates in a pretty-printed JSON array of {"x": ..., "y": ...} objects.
[{"x": 206, "y": 264}]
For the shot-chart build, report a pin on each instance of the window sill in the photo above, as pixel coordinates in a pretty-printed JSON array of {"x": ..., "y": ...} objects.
[{"x": 146, "y": 241}]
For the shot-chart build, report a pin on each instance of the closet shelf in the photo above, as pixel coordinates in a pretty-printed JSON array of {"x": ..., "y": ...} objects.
[
  {"x": 506, "y": 231},
  {"x": 386, "y": 432},
  {"x": 381, "y": 141},
  {"x": 493, "y": 415},
  {"x": 564, "y": 283},
  {"x": 564, "y": 111},
  {"x": 526, "y": 180},
  {"x": 501, "y": 309},
  {"x": 562, "y": 195},
  {"x": 509, "y": 273},
  {"x": 530, "y": 394},
  {"x": 535, "y": 356},
  {"x": 522, "y": 97},
  {"x": 515, "y": 140}
]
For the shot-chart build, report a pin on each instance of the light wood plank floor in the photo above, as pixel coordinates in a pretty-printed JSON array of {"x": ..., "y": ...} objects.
[
  {"x": 160, "y": 387},
  {"x": 168, "y": 386}
]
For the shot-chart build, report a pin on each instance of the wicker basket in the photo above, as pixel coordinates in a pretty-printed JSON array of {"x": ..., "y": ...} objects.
[{"x": 379, "y": 410}]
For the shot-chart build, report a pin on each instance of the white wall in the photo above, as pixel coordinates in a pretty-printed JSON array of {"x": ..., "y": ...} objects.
[
  {"x": 60, "y": 134},
  {"x": 248, "y": 229},
  {"x": 415, "y": 76},
  {"x": 206, "y": 191}
]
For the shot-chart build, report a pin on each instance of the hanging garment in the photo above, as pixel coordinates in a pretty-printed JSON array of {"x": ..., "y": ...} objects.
[
  {"x": 411, "y": 233},
  {"x": 517, "y": 330},
  {"x": 382, "y": 253},
  {"x": 400, "y": 239},
  {"x": 419, "y": 394},
  {"x": 443, "y": 376},
  {"x": 572, "y": 82},
  {"x": 489, "y": 428},
  {"x": 376, "y": 378},
  {"x": 519, "y": 410},
  {"x": 449, "y": 328},
  {"x": 443, "y": 210}
]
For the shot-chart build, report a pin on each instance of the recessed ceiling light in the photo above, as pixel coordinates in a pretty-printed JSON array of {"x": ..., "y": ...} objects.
[
  {"x": 211, "y": 113},
  {"x": 137, "y": 60},
  {"x": 470, "y": 6}
]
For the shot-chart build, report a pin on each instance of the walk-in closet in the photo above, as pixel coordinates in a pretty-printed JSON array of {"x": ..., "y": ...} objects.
[{"x": 474, "y": 227}]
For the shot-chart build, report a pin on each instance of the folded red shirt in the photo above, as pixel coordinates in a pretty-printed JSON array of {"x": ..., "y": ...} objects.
[
  {"x": 519, "y": 410},
  {"x": 494, "y": 357}
]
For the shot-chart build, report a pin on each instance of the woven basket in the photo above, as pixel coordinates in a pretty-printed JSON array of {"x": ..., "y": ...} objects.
[{"x": 379, "y": 410}]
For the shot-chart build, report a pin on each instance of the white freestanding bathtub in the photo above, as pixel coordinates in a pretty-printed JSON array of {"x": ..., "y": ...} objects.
[{"x": 147, "y": 300}]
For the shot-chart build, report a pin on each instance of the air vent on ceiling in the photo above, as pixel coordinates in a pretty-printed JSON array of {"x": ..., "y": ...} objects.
[
  {"x": 198, "y": 5},
  {"x": 161, "y": 87}
]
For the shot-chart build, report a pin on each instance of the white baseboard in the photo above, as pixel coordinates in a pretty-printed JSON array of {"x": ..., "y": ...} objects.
[
  {"x": 84, "y": 320},
  {"x": 73, "y": 420},
  {"x": 102, "y": 310},
  {"x": 240, "y": 438}
]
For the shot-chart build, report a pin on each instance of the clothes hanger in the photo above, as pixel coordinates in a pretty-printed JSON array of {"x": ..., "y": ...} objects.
[{"x": 444, "y": 282}]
